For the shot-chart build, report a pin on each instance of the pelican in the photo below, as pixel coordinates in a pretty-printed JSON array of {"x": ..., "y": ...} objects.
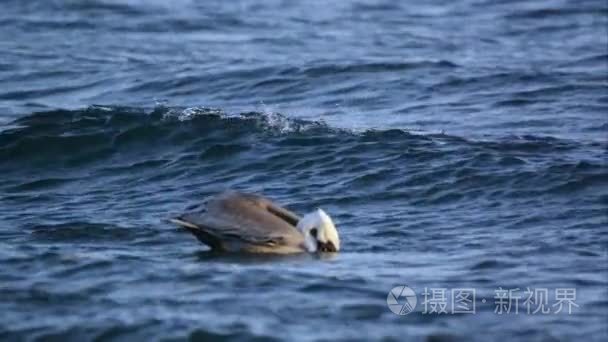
[{"x": 238, "y": 222}]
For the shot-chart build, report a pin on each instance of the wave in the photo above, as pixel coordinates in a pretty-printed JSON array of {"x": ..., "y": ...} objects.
[
  {"x": 98, "y": 130},
  {"x": 108, "y": 119},
  {"x": 62, "y": 148}
]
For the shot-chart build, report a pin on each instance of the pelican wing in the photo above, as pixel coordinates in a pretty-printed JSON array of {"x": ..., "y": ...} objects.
[{"x": 234, "y": 217}]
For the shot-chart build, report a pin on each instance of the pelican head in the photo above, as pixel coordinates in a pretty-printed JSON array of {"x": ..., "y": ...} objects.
[{"x": 320, "y": 234}]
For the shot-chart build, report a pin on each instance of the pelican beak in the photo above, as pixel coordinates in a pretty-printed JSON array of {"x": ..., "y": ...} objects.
[{"x": 326, "y": 246}]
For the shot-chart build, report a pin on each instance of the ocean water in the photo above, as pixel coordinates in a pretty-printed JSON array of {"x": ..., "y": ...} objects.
[{"x": 457, "y": 145}]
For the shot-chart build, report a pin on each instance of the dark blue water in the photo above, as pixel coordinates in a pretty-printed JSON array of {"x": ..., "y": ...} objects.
[{"x": 455, "y": 144}]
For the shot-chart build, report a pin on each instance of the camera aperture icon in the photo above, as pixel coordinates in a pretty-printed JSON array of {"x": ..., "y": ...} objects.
[{"x": 401, "y": 300}]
